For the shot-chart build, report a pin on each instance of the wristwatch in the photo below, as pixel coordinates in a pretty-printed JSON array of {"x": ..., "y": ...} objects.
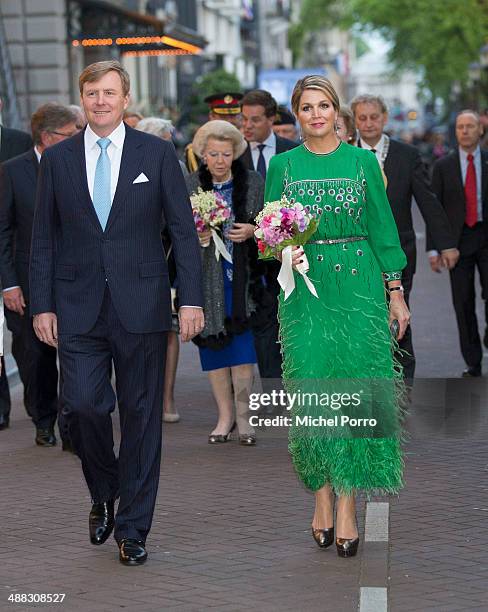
[{"x": 398, "y": 288}]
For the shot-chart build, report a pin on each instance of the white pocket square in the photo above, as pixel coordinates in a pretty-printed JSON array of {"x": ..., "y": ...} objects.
[{"x": 142, "y": 178}]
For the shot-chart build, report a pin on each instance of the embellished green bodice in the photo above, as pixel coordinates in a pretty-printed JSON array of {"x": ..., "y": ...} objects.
[{"x": 345, "y": 189}]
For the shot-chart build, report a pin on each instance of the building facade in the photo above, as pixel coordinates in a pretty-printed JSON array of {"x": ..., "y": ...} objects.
[{"x": 48, "y": 42}]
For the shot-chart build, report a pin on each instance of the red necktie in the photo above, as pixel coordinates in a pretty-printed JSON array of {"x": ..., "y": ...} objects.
[{"x": 470, "y": 194}]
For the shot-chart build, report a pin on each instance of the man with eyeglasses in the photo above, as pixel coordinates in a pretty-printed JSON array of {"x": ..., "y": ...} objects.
[
  {"x": 50, "y": 124},
  {"x": 12, "y": 143}
]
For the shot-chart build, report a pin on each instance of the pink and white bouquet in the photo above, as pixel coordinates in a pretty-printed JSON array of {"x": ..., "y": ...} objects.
[
  {"x": 280, "y": 226},
  {"x": 210, "y": 211}
]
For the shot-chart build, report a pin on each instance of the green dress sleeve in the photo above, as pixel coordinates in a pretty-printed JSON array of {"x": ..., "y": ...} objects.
[
  {"x": 274, "y": 180},
  {"x": 382, "y": 230}
]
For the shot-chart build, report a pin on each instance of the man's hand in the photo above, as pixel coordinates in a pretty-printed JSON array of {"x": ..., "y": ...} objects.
[
  {"x": 192, "y": 322},
  {"x": 449, "y": 258},
  {"x": 46, "y": 328},
  {"x": 436, "y": 263},
  {"x": 241, "y": 232},
  {"x": 14, "y": 300}
]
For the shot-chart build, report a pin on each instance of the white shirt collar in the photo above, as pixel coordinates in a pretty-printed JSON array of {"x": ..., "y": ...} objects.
[
  {"x": 377, "y": 147},
  {"x": 464, "y": 154},
  {"x": 116, "y": 137},
  {"x": 269, "y": 142},
  {"x": 38, "y": 154}
]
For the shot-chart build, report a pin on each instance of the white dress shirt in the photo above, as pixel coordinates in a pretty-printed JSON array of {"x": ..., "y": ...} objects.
[
  {"x": 268, "y": 151},
  {"x": 114, "y": 151},
  {"x": 378, "y": 147}
]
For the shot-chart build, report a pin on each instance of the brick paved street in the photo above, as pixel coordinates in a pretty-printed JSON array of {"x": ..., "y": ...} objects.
[{"x": 231, "y": 529}]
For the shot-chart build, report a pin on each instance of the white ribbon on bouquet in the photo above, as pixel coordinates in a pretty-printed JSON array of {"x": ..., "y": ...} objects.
[
  {"x": 220, "y": 248},
  {"x": 286, "y": 277}
]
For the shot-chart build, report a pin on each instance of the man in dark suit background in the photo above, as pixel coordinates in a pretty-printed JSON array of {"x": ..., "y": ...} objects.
[
  {"x": 100, "y": 290},
  {"x": 12, "y": 143},
  {"x": 460, "y": 181},
  {"x": 259, "y": 110},
  {"x": 406, "y": 179},
  {"x": 36, "y": 361}
]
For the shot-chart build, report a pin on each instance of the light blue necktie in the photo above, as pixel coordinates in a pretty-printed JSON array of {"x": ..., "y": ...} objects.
[{"x": 102, "y": 199}]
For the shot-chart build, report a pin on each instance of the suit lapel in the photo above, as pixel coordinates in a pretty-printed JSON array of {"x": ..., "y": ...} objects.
[
  {"x": 246, "y": 158},
  {"x": 484, "y": 184},
  {"x": 129, "y": 169},
  {"x": 279, "y": 145},
  {"x": 389, "y": 166},
  {"x": 5, "y": 145},
  {"x": 458, "y": 176},
  {"x": 484, "y": 176},
  {"x": 77, "y": 171},
  {"x": 32, "y": 167}
]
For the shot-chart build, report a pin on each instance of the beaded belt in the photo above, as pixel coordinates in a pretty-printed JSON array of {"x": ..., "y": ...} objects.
[{"x": 338, "y": 240}]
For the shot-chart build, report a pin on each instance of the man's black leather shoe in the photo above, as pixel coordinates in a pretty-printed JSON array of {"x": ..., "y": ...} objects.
[
  {"x": 4, "y": 421},
  {"x": 472, "y": 372},
  {"x": 101, "y": 521},
  {"x": 132, "y": 552},
  {"x": 45, "y": 437}
]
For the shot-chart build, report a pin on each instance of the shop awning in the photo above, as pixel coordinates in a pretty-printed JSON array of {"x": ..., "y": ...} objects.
[{"x": 95, "y": 23}]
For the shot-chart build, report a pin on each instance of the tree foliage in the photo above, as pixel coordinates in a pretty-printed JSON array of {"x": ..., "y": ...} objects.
[{"x": 439, "y": 37}]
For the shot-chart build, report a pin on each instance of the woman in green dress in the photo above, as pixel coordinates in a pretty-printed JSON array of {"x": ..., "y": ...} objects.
[{"x": 341, "y": 339}]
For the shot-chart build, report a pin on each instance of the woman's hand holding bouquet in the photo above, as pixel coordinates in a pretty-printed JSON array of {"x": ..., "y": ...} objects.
[
  {"x": 210, "y": 211},
  {"x": 281, "y": 226}
]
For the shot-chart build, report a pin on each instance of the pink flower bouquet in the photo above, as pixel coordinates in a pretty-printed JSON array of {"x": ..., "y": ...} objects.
[
  {"x": 280, "y": 226},
  {"x": 210, "y": 211}
]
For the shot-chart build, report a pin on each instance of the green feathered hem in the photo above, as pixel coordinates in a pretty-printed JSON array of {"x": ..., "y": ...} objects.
[{"x": 374, "y": 466}]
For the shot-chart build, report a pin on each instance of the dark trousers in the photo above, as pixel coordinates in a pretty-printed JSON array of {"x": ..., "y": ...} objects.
[
  {"x": 473, "y": 248},
  {"x": 4, "y": 392},
  {"x": 405, "y": 355},
  {"x": 37, "y": 370},
  {"x": 266, "y": 332},
  {"x": 89, "y": 400}
]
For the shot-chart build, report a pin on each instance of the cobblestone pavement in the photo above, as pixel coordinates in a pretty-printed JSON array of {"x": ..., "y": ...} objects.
[{"x": 231, "y": 529}]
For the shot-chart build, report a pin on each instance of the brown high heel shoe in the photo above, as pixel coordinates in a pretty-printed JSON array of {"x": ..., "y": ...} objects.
[
  {"x": 323, "y": 537},
  {"x": 347, "y": 548},
  {"x": 221, "y": 438},
  {"x": 247, "y": 439}
]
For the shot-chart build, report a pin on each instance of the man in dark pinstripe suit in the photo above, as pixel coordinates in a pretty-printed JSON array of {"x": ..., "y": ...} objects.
[{"x": 100, "y": 292}]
